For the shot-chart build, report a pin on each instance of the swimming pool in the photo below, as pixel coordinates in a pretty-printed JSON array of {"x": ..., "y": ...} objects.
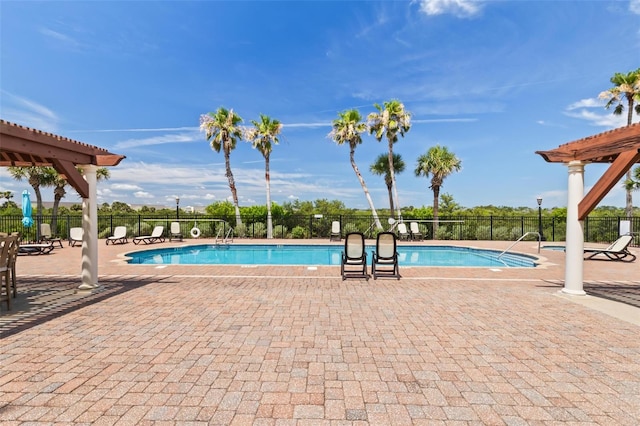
[{"x": 311, "y": 255}]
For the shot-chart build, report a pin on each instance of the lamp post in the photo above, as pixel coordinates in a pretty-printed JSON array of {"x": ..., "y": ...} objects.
[
  {"x": 177, "y": 208},
  {"x": 539, "y": 200}
]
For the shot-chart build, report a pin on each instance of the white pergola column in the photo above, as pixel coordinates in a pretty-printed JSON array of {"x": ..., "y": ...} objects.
[
  {"x": 574, "y": 259},
  {"x": 90, "y": 231}
]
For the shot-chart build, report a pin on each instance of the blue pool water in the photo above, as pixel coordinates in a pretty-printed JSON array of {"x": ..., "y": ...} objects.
[{"x": 265, "y": 254}]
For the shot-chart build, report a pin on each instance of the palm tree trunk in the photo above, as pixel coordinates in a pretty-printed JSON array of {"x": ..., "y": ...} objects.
[
  {"x": 232, "y": 187},
  {"x": 58, "y": 194},
  {"x": 392, "y": 211},
  {"x": 393, "y": 180},
  {"x": 629, "y": 197},
  {"x": 436, "y": 196},
  {"x": 267, "y": 178},
  {"x": 364, "y": 188}
]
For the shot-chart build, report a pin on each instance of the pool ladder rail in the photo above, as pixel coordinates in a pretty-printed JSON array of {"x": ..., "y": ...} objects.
[
  {"x": 520, "y": 239},
  {"x": 225, "y": 239}
]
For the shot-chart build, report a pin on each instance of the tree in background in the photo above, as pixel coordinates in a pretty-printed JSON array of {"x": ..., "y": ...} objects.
[
  {"x": 347, "y": 129},
  {"x": 263, "y": 136},
  {"x": 626, "y": 90},
  {"x": 389, "y": 121},
  {"x": 223, "y": 131},
  {"x": 438, "y": 163},
  {"x": 59, "y": 184},
  {"x": 381, "y": 167},
  {"x": 37, "y": 177}
]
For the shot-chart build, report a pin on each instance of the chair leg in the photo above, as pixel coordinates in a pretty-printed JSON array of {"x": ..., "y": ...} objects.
[{"x": 7, "y": 289}]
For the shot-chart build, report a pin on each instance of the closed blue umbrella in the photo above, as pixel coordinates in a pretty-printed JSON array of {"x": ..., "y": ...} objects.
[{"x": 27, "y": 220}]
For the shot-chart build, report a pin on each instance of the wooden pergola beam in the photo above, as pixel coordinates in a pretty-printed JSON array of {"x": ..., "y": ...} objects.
[{"x": 607, "y": 181}]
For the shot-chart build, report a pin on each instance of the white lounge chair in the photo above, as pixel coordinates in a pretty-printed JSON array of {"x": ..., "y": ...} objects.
[
  {"x": 385, "y": 258},
  {"x": 176, "y": 233},
  {"x": 119, "y": 236},
  {"x": 416, "y": 234},
  {"x": 155, "y": 237},
  {"x": 619, "y": 250},
  {"x": 75, "y": 236},
  {"x": 403, "y": 234},
  {"x": 46, "y": 236},
  {"x": 335, "y": 231}
]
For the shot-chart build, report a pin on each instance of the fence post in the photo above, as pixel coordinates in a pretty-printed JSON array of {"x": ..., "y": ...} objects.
[{"x": 491, "y": 227}]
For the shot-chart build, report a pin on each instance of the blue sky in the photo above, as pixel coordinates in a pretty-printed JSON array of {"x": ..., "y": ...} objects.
[{"x": 493, "y": 81}]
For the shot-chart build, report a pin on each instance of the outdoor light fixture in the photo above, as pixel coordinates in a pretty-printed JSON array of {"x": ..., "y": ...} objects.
[
  {"x": 177, "y": 208},
  {"x": 539, "y": 200}
]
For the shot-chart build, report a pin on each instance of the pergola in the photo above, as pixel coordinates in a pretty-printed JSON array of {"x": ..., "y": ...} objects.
[
  {"x": 621, "y": 148},
  {"x": 24, "y": 147}
]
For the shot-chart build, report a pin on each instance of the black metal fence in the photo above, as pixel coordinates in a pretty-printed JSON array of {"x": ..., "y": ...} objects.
[{"x": 502, "y": 228}]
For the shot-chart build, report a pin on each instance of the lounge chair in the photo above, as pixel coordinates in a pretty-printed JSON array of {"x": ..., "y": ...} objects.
[
  {"x": 354, "y": 257},
  {"x": 385, "y": 259},
  {"x": 36, "y": 248},
  {"x": 335, "y": 231},
  {"x": 619, "y": 250},
  {"x": 416, "y": 234},
  {"x": 47, "y": 236},
  {"x": 119, "y": 236},
  {"x": 176, "y": 233},
  {"x": 75, "y": 236},
  {"x": 403, "y": 234},
  {"x": 155, "y": 237}
]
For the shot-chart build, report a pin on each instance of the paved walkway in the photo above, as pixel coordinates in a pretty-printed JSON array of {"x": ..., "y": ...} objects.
[{"x": 292, "y": 345}]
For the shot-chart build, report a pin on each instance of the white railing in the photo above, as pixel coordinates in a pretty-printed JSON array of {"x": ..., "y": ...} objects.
[{"x": 520, "y": 239}]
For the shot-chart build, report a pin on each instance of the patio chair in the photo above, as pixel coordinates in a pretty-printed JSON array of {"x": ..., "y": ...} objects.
[
  {"x": 75, "y": 236},
  {"x": 47, "y": 236},
  {"x": 354, "y": 257},
  {"x": 403, "y": 234},
  {"x": 385, "y": 259},
  {"x": 155, "y": 237},
  {"x": 8, "y": 244},
  {"x": 175, "y": 232},
  {"x": 416, "y": 234},
  {"x": 119, "y": 236},
  {"x": 619, "y": 250},
  {"x": 335, "y": 231}
]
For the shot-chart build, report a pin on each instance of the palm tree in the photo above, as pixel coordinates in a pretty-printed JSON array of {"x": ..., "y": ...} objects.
[
  {"x": 223, "y": 131},
  {"x": 263, "y": 136},
  {"x": 389, "y": 121},
  {"x": 381, "y": 167},
  {"x": 626, "y": 89},
  {"x": 38, "y": 177},
  {"x": 59, "y": 191},
  {"x": 347, "y": 129},
  {"x": 438, "y": 163}
]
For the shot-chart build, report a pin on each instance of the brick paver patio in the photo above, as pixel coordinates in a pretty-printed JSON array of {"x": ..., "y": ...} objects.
[{"x": 292, "y": 345}]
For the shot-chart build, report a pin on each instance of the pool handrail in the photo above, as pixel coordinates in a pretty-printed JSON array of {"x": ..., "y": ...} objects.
[{"x": 520, "y": 239}]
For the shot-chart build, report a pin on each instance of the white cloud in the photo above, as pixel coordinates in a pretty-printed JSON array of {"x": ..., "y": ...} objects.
[
  {"x": 634, "y": 6},
  {"x": 610, "y": 121},
  {"x": 159, "y": 140},
  {"x": 26, "y": 112},
  {"x": 142, "y": 194},
  {"x": 586, "y": 103},
  {"x": 125, "y": 187},
  {"x": 458, "y": 8},
  {"x": 62, "y": 38}
]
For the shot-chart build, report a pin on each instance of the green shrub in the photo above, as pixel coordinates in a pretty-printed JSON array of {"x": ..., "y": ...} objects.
[
  {"x": 279, "y": 231},
  {"x": 259, "y": 230},
  {"x": 298, "y": 232}
]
